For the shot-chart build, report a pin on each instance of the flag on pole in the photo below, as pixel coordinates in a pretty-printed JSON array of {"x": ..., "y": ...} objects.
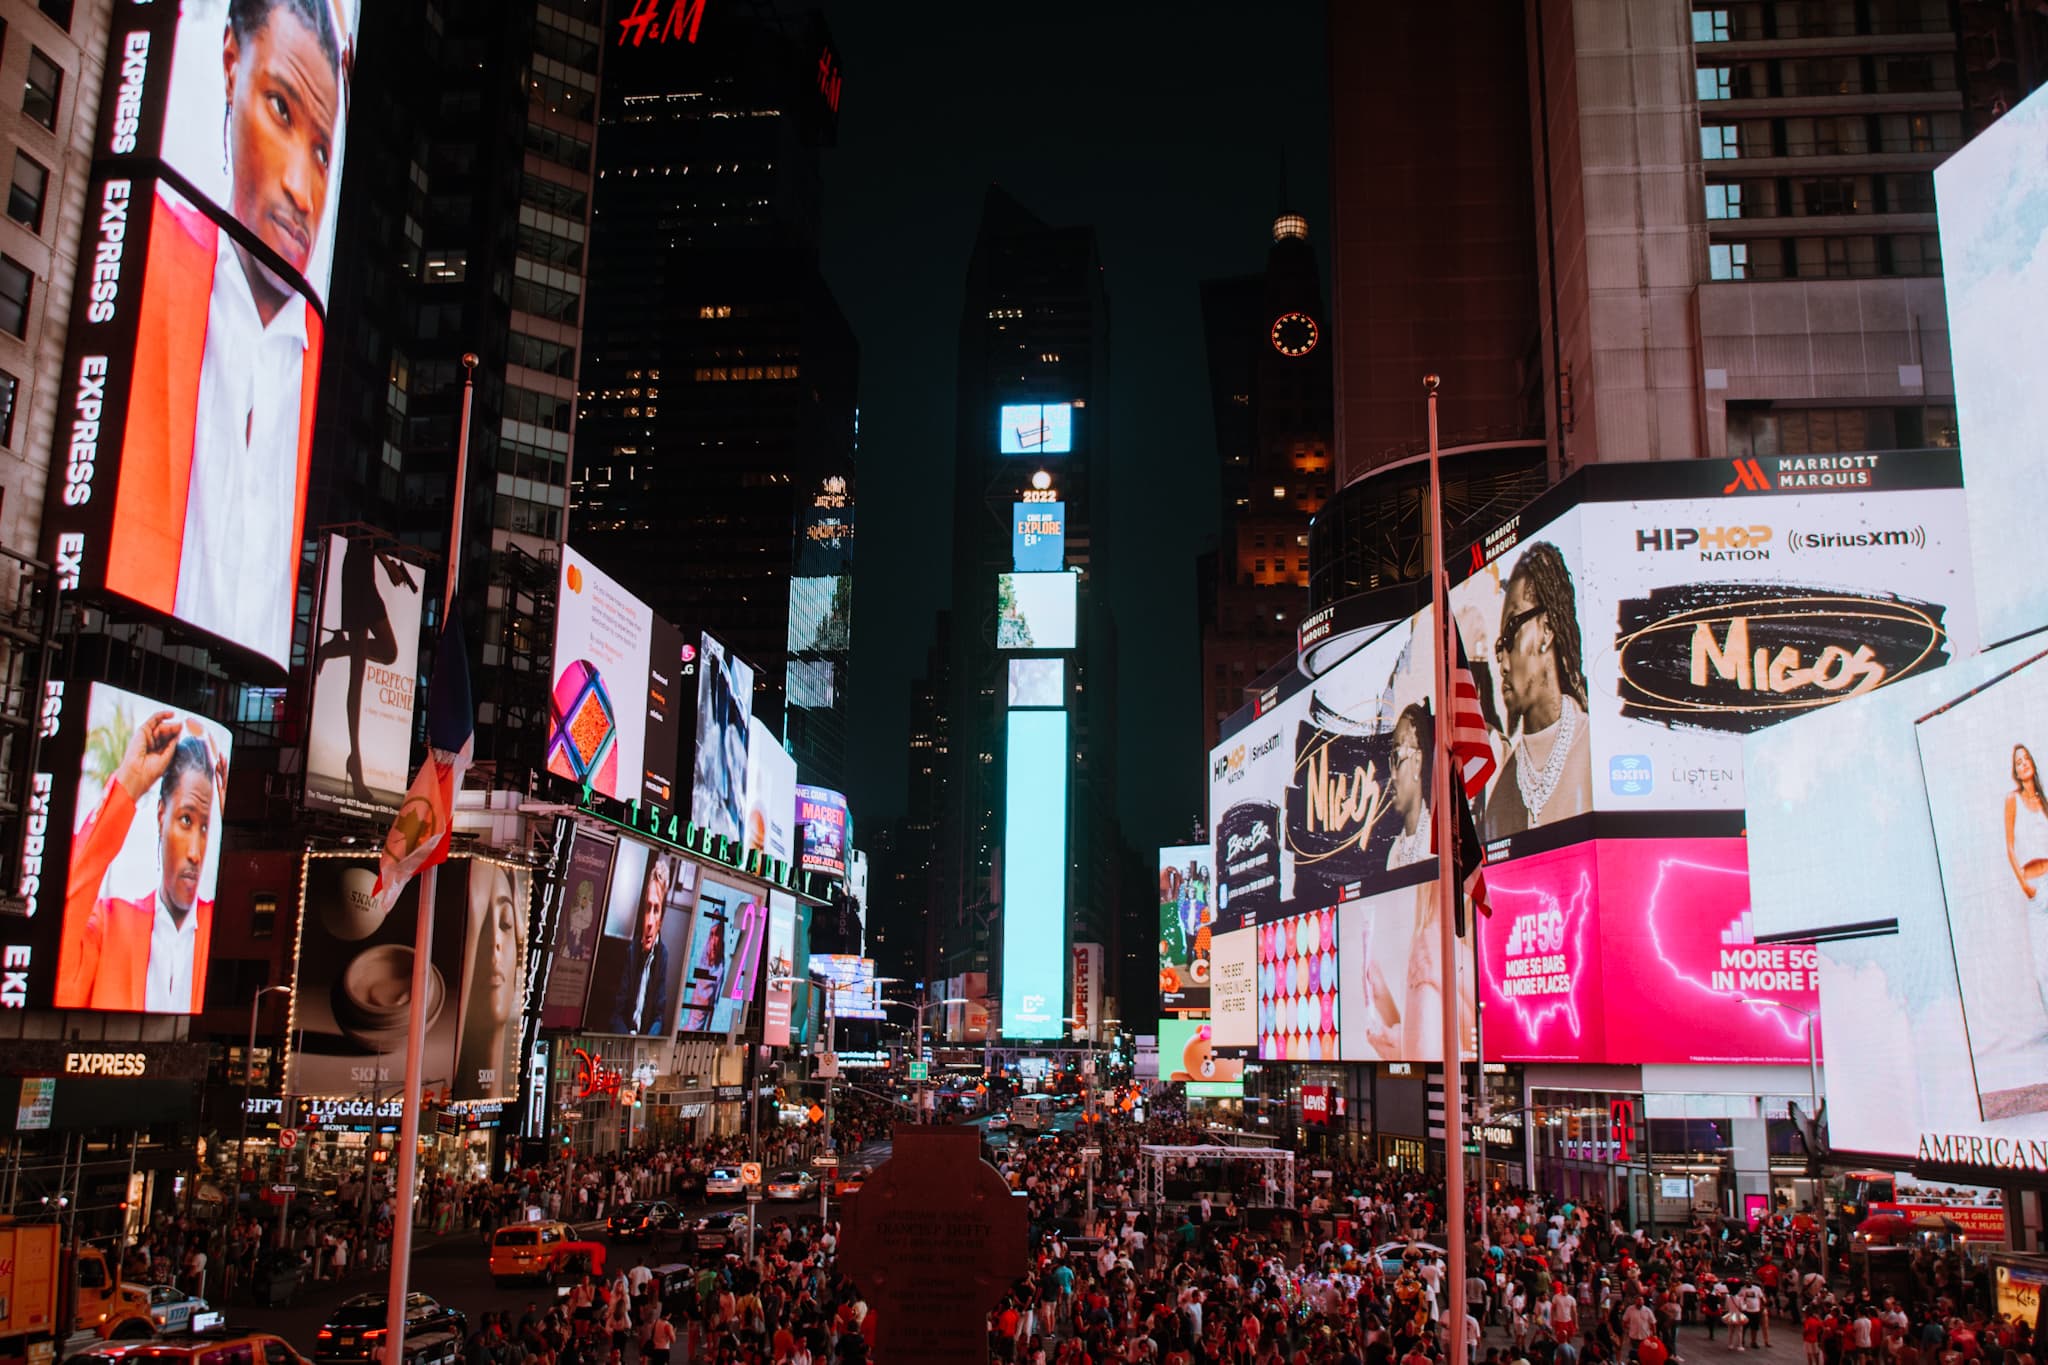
[
  {"x": 1471, "y": 750},
  {"x": 420, "y": 830}
]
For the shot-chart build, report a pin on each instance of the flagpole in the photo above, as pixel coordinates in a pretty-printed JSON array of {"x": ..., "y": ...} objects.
[
  {"x": 411, "y": 1100},
  {"x": 1447, "y": 889}
]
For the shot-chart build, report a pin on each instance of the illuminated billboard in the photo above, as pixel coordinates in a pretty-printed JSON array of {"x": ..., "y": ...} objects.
[
  {"x": 1633, "y": 951},
  {"x": 192, "y": 369},
  {"x": 1390, "y": 960},
  {"x": 637, "y": 968},
  {"x": 780, "y": 969},
  {"x": 1298, "y": 988},
  {"x": 1038, "y": 537},
  {"x": 1035, "y": 875},
  {"x": 820, "y": 615},
  {"x": 771, "y": 795},
  {"x": 1187, "y": 915},
  {"x": 1037, "y": 682},
  {"x": 1646, "y": 619},
  {"x": 586, "y": 898},
  {"x": 1993, "y": 200},
  {"x": 724, "y": 957},
  {"x": 1187, "y": 1053},
  {"x": 1037, "y": 610},
  {"x": 822, "y": 813},
  {"x": 1841, "y": 834},
  {"x": 365, "y": 662},
  {"x": 725, "y": 713},
  {"x": 850, "y": 980},
  {"x": 1037, "y": 428},
  {"x": 120, "y": 871},
  {"x": 614, "y": 710}
]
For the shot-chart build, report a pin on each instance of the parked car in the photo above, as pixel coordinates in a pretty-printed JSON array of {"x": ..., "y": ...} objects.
[
  {"x": 642, "y": 1222},
  {"x": 787, "y": 1185},
  {"x": 356, "y": 1328},
  {"x": 171, "y": 1308},
  {"x": 723, "y": 1182}
]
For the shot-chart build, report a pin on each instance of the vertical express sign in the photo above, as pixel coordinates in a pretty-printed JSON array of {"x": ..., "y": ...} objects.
[{"x": 185, "y": 419}]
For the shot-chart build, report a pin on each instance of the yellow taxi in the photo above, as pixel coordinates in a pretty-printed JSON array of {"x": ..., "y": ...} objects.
[
  {"x": 541, "y": 1251},
  {"x": 231, "y": 1348}
]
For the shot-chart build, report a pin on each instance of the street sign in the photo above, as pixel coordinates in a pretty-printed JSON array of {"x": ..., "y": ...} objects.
[
  {"x": 750, "y": 1173},
  {"x": 288, "y": 1138},
  {"x": 920, "y": 1071},
  {"x": 825, "y": 1161},
  {"x": 284, "y": 1189},
  {"x": 826, "y": 1068}
]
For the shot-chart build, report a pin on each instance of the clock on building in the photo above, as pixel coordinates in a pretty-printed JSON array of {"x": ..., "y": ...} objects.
[{"x": 1294, "y": 334}]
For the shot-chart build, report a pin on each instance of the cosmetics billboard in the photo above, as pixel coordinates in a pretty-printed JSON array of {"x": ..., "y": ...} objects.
[
  {"x": 359, "y": 738},
  {"x": 613, "y": 713},
  {"x": 1187, "y": 915},
  {"x": 1633, "y": 951},
  {"x": 1647, "y": 617},
  {"x": 198, "y": 313},
  {"x": 1842, "y": 838},
  {"x": 1993, "y": 197}
]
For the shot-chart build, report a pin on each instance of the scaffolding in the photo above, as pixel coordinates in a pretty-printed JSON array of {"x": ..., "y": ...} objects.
[{"x": 1153, "y": 1161}]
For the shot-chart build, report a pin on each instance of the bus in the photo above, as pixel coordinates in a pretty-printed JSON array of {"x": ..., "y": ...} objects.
[{"x": 1032, "y": 1113}]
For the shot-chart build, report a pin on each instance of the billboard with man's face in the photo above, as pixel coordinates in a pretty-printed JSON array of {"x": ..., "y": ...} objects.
[
  {"x": 185, "y": 425},
  {"x": 637, "y": 970}
]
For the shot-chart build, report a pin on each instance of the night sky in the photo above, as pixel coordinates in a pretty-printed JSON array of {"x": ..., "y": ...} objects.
[{"x": 1162, "y": 125}]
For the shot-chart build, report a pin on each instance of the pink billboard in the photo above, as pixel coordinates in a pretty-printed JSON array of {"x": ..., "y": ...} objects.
[{"x": 1639, "y": 950}]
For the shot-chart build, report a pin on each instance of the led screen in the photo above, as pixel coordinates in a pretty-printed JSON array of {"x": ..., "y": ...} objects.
[
  {"x": 822, "y": 813},
  {"x": 492, "y": 998},
  {"x": 812, "y": 683},
  {"x": 1840, "y": 833},
  {"x": 613, "y": 709},
  {"x": 771, "y": 795},
  {"x": 637, "y": 971},
  {"x": 1187, "y": 1053},
  {"x": 1991, "y": 840},
  {"x": 1234, "y": 988},
  {"x": 1036, "y": 610},
  {"x": 781, "y": 970},
  {"x": 1035, "y": 875},
  {"x": 1187, "y": 916},
  {"x": 1639, "y": 951},
  {"x": 145, "y": 783},
  {"x": 1038, "y": 537},
  {"x": 820, "y": 615},
  {"x": 851, "y": 982},
  {"x": 1993, "y": 196},
  {"x": 1390, "y": 960},
  {"x": 192, "y": 374},
  {"x": 1038, "y": 682},
  {"x": 725, "y": 711},
  {"x": 1037, "y": 428},
  {"x": 724, "y": 952},
  {"x": 1298, "y": 988},
  {"x": 1324, "y": 796},
  {"x": 365, "y": 661},
  {"x": 586, "y": 897},
  {"x": 1677, "y": 618}
]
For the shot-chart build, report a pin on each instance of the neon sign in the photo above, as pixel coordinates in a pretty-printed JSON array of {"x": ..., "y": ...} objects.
[
  {"x": 646, "y": 21},
  {"x": 829, "y": 76},
  {"x": 593, "y": 1077}
]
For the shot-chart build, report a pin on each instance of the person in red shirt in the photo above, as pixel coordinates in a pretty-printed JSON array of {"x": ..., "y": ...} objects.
[
  {"x": 1811, "y": 1332},
  {"x": 1652, "y": 1351}
]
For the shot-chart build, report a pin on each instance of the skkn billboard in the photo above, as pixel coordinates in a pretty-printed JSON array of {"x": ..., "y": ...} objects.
[
  {"x": 198, "y": 314},
  {"x": 359, "y": 741}
]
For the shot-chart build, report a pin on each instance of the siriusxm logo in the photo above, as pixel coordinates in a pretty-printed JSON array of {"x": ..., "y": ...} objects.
[{"x": 1629, "y": 775}]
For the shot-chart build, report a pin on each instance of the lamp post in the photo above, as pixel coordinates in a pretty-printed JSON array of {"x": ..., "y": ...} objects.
[
  {"x": 248, "y": 1068},
  {"x": 917, "y": 1037}
]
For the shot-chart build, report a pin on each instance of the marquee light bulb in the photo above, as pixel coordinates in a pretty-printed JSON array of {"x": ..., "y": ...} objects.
[{"x": 1041, "y": 480}]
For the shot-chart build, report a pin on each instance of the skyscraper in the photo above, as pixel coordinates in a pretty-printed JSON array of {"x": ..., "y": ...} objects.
[{"x": 715, "y": 453}]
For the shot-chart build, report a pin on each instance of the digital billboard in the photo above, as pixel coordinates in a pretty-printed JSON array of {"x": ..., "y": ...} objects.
[
  {"x": 725, "y": 713},
  {"x": 614, "y": 719},
  {"x": 1390, "y": 961},
  {"x": 1323, "y": 796},
  {"x": 1993, "y": 197},
  {"x": 780, "y": 969},
  {"x": 812, "y": 683},
  {"x": 1038, "y": 682},
  {"x": 586, "y": 899},
  {"x": 492, "y": 999},
  {"x": 1234, "y": 989},
  {"x": 636, "y": 973},
  {"x": 820, "y": 615},
  {"x": 352, "y": 979},
  {"x": 1038, "y": 537},
  {"x": 1298, "y": 988},
  {"x": 1652, "y": 619},
  {"x": 1840, "y": 835},
  {"x": 725, "y": 953},
  {"x": 1037, "y": 428},
  {"x": 851, "y": 982},
  {"x": 771, "y": 795},
  {"x": 359, "y": 736},
  {"x": 1086, "y": 990},
  {"x": 1187, "y": 1053},
  {"x": 131, "y": 792},
  {"x": 1633, "y": 951},
  {"x": 1035, "y": 875},
  {"x": 822, "y": 813},
  {"x": 192, "y": 369},
  {"x": 1037, "y": 610},
  {"x": 1187, "y": 918},
  {"x": 1990, "y": 820}
]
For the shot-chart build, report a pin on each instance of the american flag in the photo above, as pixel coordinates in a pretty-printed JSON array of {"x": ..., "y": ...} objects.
[{"x": 1471, "y": 749}]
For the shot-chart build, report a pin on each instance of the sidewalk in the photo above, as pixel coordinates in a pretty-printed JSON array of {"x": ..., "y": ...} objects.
[{"x": 1694, "y": 1348}]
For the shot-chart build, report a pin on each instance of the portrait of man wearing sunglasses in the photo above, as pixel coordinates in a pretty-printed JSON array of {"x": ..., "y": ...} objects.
[{"x": 1548, "y": 772}]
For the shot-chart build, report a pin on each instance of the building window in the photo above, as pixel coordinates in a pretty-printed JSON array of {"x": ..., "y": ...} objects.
[
  {"x": 1724, "y": 201},
  {"x": 15, "y": 284},
  {"x": 44, "y": 89},
  {"x": 1720, "y": 142},
  {"x": 59, "y": 12},
  {"x": 446, "y": 267},
  {"x": 25, "y": 196},
  {"x": 1710, "y": 25},
  {"x": 1728, "y": 260},
  {"x": 1715, "y": 83},
  {"x": 10, "y": 387}
]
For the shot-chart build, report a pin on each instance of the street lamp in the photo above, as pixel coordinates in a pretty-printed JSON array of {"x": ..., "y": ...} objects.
[
  {"x": 917, "y": 1038},
  {"x": 248, "y": 1069},
  {"x": 1812, "y": 1018}
]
